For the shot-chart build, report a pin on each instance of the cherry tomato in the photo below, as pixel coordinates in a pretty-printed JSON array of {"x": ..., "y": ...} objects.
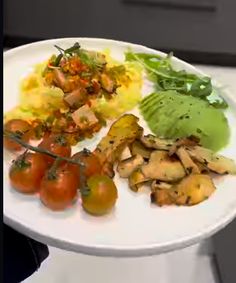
[
  {"x": 101, "y": 195},
  {"x": 92, "y": 165},
  {"x": 56, "y": 144},
  {"x": 20, "y": 127},
  {"x": 58, "y": 189},
  {"x": 27, "y": 171}
]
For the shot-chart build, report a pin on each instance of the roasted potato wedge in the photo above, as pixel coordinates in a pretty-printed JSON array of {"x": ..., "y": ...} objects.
[
  {"x": 163, "y": 167},
  {"x": 126, "y": 167},
  {"x": 215, "y": 162}
]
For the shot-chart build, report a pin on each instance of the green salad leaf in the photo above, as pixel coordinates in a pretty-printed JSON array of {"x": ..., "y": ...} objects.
[{"x": 165, "y": 78}]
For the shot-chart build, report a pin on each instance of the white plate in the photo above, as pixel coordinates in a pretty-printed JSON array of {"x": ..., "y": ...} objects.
[{"x": 135, "y": 227}]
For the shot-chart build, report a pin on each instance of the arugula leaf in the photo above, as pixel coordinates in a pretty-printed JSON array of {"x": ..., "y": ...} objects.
[
  {"x": 57, "y": 60},
  {"x": 153, "y": 63},
  {"x": 74, "y": 49},
  {"x": 161, "y": 72},
  {"x": 216, "y": 100},
  {"x": 219, "y": 104},
  {"x": 201, "y": 87},
  {"x": 71, "y": 50}
]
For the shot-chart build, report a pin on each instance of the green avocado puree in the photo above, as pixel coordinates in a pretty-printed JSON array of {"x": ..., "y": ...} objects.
[{"x": 173, "y": 115}]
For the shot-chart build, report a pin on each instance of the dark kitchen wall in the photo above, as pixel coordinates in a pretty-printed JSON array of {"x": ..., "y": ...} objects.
[{"x": 205, "y": 26}]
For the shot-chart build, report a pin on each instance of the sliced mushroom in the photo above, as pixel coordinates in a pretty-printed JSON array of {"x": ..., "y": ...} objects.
[
  {"x": 127, "y": 166},
  {"x": 125, "y": 154},
  {"x": 193, "y": 189},
  {"x": 107, "y": 169},
  {"x": 216, "y": 163},
  {"x": 138, "y": 148},
  {"x": 189, "y": 165},
  {"x": 189, "y": 141},
  {"x": 136, "y": 180},
  {"x": 203, "y": 168},
  {"x": 189, "y": 191},
  {"x": 163, "y": 167},
  {"x": 151, "y": 141},
  {"x": 161, "y": 197},
  {"x": 160, "y": 185}
]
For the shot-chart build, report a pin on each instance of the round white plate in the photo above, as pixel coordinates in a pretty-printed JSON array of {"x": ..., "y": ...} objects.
[{"x": 135, "y": 227}]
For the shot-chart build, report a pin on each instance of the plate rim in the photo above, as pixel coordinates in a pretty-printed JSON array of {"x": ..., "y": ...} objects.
[
  {"x": 119, "y": 251},
  {"x": 107, "y": 251}
]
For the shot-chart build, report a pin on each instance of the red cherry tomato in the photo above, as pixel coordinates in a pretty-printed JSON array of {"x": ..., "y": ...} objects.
[
  {"x": 56, "y": 144},
  {"x": 20, "y": 127},
  {"x": 92, "y": 165},
  {"x": 58, "y": 189},
  {"x": 101, "y": 195},
  {"x": 27, "y": 171}
]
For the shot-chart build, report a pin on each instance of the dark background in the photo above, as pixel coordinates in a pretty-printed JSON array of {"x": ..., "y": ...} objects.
[{"x": 201, "y": 31}]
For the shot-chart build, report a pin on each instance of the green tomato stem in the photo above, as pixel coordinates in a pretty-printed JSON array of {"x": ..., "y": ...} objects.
[{"x": 14, "y": 137}]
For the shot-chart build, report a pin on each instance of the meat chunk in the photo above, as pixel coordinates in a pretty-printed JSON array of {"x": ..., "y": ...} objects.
[
  {"x": 76, "y": 98},
  {"x": 84, "y": 117},
  {"x": 60, "y": 79}
]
